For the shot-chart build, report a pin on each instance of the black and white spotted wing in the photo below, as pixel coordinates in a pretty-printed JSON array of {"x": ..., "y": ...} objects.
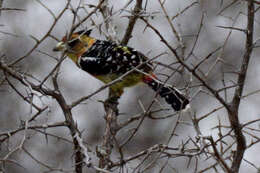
[{"x": 106, "y": 57}]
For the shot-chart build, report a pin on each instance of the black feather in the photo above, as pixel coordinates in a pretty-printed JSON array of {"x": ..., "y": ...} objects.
[
  {"x": 171, "y": 95},
  {"x": 87, "y": 33},
  {"x": 73, "y": 43}
]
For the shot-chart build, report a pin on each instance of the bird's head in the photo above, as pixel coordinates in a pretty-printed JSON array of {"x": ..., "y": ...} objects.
[{"x": 78, "y": 42}]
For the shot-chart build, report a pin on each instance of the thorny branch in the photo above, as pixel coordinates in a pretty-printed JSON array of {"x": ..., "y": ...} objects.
[
  {"x": 114, "y": 151},
  {"x": 132, "y": 20},
  {"x": 233, "y": 114}
]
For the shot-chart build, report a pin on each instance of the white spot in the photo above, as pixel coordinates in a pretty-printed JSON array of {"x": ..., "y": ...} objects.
[
  {"x": 133, "y": 57},
  {"x": 109, "y": 59},
  {"x": 89, "y": 58},
  {"x": 125, "y": 58},
  {"x": 78, "y": 62},
  {"x": 187, "y": 108},
  {"x": 113, "y": 61}
]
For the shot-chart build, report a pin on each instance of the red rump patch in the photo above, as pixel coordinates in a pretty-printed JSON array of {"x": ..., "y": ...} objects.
[{"x": 148, "y": 79}]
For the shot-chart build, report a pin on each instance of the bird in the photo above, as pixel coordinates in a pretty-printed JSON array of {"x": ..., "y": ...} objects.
[{"x": 108, "y": 61}]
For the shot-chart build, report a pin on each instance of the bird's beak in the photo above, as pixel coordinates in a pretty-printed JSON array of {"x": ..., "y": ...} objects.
[{"x": 60, "y": 47}]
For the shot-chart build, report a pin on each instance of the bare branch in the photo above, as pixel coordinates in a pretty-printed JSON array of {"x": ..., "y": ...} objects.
[
  {"x": 132, "y": 21},
  {"x": 233, "y": 113}
]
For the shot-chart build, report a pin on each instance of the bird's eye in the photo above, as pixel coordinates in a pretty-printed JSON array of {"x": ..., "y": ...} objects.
[{"x": 72, "y": 43}]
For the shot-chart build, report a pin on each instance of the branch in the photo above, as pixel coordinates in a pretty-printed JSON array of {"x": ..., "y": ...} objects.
[
  {"x": 44, "y": 37},
  {"x": 213, "y": 91},
  {"x": 71, "y": 124},
  {"x": 132, "y": 21},
  {"x": 6, "y": 135},
  {"x": 233, "y": 114},
  {"x": 86, "y": 18},
  {"x": 111, "y": 130},
  {"x": 11, "y": 9},
  {"x": 218, "y": 156}
]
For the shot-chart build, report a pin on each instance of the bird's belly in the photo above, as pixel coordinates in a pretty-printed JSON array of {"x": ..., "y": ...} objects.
[{"x": 127, "y": 81}]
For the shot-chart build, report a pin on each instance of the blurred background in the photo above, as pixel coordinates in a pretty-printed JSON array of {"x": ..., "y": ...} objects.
[{"x": 18, "y": 28}]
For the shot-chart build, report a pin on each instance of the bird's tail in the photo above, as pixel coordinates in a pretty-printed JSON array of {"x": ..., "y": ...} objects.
[{"x": 172, "y": 96}]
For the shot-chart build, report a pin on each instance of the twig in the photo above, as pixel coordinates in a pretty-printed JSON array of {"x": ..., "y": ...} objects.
[
  {"x": 233, "y": 113},
  {"x": 132, "y": 21}
]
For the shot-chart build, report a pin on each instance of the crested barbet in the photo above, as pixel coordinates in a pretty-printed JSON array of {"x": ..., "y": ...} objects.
[{"x": 108, "y": 61}]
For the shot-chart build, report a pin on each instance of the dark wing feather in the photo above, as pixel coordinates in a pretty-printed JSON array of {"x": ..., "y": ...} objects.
[{"x": 105, "y": 57}]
